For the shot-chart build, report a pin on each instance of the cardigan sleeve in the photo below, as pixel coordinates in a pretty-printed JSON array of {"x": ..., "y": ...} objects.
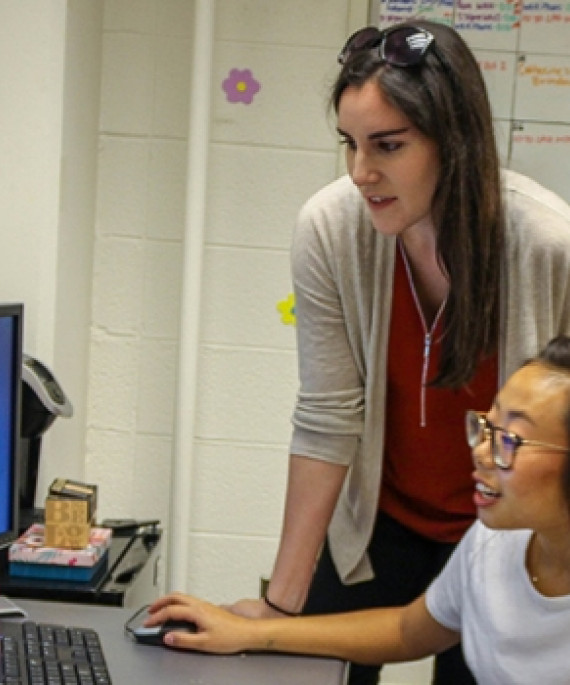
[
  {"x": 329, "y": 412},
  {"x": 536, "y": 272}
]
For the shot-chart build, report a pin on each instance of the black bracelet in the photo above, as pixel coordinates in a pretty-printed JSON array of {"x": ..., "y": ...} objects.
[{"x": 279, "y": 609}]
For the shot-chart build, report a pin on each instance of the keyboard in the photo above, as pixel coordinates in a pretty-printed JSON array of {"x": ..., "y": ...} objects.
[{"x": 44, "y": 654}]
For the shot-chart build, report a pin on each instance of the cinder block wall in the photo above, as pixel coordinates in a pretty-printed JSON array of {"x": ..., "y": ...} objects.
[
  {"x": 144, "y": 113},
  {"x": 265, "y": 159}
]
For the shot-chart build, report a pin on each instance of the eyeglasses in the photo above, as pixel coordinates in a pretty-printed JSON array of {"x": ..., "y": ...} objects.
[
  {"x": 401, "y": 46},
  {"x": 504, "y": 443}
]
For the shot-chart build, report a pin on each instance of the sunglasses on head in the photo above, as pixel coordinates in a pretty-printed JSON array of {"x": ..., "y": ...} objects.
[{"x": 401, "y": 46}]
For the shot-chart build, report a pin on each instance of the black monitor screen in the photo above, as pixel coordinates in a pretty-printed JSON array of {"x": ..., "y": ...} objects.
[{"x": 10, "y": 389}]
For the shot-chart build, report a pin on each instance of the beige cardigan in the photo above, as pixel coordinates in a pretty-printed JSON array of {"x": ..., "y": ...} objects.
[{"x": 342, "y": 273}]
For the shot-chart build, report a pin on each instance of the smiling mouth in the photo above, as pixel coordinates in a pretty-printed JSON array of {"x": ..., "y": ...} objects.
[
  {"x": 486, "y": 491},
  {"x": 379, "y": 199}
]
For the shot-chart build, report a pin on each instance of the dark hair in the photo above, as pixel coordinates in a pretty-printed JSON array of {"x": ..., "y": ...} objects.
[
  {"x": 445, "y": 98},
  {"x": 556, "y": 356}
]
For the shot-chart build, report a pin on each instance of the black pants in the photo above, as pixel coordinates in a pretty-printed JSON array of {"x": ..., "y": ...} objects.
[{"x": 404, "y": 564}]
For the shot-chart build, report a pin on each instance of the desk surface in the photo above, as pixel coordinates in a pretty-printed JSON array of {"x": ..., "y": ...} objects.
[{"x": 129, "y": 662}]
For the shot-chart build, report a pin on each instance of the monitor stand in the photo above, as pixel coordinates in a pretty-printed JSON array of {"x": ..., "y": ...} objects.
[{"x": 29, "y": 465}]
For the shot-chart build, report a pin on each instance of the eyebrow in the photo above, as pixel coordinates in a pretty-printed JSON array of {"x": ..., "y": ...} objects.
[
  {"x": 515, "y": 414},
  {"x": 378, "y": 134}
]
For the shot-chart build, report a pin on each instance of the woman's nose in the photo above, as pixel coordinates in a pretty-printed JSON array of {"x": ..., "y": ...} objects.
[
  {"x": 363, "y": 170},
  {"x": 482, "y": 455}
]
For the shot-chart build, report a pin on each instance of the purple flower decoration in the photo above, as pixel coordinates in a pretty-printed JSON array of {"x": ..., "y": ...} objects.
[{"x": 240, "y": 86}]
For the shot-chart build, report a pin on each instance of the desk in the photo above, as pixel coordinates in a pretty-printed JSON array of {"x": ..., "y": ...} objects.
[{"x": 129, "y": 662}]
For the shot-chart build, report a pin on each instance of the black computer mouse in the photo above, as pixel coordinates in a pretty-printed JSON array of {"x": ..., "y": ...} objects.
[{"x": 154, "y": 635}]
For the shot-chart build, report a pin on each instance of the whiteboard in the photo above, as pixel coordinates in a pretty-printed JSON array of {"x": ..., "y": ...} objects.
[{"x": 523, "y": 49}]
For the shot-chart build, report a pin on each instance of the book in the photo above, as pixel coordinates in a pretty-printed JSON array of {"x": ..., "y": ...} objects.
[
  {"x": 76, "y": 574},
  {"x": 29, "y": 556}
]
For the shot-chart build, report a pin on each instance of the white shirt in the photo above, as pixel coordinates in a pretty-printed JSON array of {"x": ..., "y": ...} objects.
[{"x": 511, "y": 634}]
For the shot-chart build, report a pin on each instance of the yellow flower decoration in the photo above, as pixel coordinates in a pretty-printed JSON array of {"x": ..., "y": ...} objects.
[{"x": 287, "y": 309}]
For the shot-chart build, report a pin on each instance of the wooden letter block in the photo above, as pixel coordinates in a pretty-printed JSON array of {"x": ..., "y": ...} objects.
[{"x": 67, "y": 523}]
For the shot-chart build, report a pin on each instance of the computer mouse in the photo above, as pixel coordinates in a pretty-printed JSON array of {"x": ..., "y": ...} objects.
[{"x": 154, "y": 635}]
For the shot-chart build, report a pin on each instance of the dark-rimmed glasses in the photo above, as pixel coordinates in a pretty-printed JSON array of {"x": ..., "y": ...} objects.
[
  {"x": 504, "y": 443},
  {"x": 401, "y": 46}
]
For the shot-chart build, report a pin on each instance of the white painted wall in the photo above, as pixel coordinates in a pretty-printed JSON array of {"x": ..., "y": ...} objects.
[
  {"x": 32, "y": 47},
  {"x": 49, "y": 89},
  {"x": 264, "y": 160},
  {"x": 143, "y": 126}
]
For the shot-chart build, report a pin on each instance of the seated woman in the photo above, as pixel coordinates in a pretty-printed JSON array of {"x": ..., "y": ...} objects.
[{"x": 505, "y": 591}]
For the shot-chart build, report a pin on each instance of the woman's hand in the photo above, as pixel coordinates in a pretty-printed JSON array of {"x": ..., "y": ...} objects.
[
  {"x": 218, "y": 630},
  {"x": 253, "y": 608}
]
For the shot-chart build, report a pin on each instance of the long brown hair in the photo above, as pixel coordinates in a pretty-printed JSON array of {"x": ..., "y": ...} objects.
[{"x": 445, "y": 98}]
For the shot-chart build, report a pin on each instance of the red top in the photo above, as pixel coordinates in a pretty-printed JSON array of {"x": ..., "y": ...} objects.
[{"x": 426, "y": 483}]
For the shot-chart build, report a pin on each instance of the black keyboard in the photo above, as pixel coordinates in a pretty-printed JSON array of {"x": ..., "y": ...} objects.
[{"x": 44, "y": 654}]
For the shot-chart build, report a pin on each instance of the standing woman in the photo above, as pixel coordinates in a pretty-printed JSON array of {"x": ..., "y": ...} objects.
[{"x": 422, "y": 279}]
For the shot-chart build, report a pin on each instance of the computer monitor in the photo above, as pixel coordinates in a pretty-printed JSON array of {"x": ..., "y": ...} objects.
[{"x": 11, "y": 325}]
